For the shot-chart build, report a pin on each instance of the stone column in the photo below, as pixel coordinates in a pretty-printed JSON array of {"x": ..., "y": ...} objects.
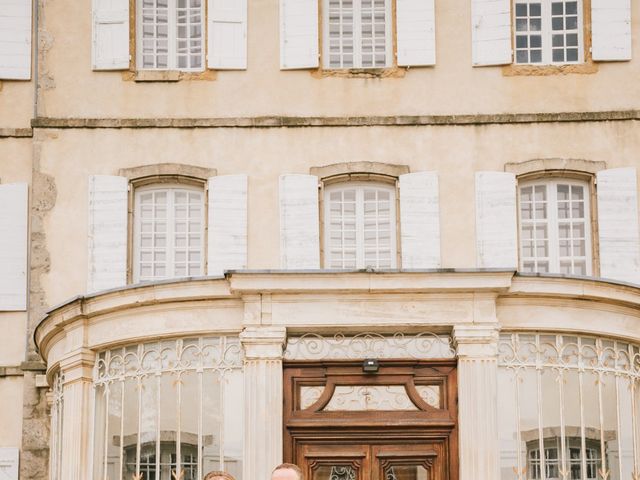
[
  {"x": 477, "y": 349},
  {"x": 77, "y": 368},
  {"x": 263, "y": 349}
]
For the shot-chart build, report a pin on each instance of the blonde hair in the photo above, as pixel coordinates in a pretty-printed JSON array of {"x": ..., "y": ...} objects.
[{"x": 212, "y": 475}]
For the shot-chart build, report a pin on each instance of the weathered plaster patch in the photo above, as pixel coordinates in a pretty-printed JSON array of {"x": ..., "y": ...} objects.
[{"x": 35, "y": 427}]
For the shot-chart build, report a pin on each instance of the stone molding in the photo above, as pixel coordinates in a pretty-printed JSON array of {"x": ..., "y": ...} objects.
[
  {"x": 371, "y": 121},
  {"x": 16, "y": 132},
  {"x": 355, "y": 168},
  {"x": 555, "y": 164},
  {"x": 167, "y": 169}
]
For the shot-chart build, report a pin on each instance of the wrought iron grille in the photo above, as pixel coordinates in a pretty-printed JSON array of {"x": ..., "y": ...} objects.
[
  {"x": 575, "y": 398},
  {"x": 176, "y": 401}
]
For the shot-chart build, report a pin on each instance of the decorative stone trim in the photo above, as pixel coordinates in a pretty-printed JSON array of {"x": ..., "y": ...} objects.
[
  {"x": 373, "y": 121},
  {"x": 555, "y": 164},
  {"x": 167, "y": 169},
  {"x": 351, "y": 168}
]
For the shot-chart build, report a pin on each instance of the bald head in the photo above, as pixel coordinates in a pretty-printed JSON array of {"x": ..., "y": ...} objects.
[{"x": 286, "y": 471}]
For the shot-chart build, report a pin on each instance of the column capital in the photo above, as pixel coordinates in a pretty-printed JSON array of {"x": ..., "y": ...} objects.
[
  {"x": 476, "y": 340},
  {"x": 78, "y": 365},
  {"x": 263, "y": 343}
]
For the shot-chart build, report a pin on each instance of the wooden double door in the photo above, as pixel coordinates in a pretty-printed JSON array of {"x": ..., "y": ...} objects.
[{"x": 399, "y": 423}]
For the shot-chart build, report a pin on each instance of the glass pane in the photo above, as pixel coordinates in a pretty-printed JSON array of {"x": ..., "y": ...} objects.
[
  {"x": 406, "y": 472},
  {"x": 233, "y": 423},
  {"x": 169, "y": 423},
  {"x": 130, "y": 425},
  {"x": 334, "y": 472},
  {"x": 211, "y": 421},
  {"x": 508, "y": 422}
]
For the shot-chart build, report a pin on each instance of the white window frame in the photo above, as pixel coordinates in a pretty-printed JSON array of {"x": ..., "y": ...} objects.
[
  {"x": 357, "y": 37},
  {"x": 170, "y": 189},
  {"x": 553, "y": 224},
  {"x": 547, "y": 34},
  {"x": 359, "y": 188},
  {"x": 172, "y": 57}
]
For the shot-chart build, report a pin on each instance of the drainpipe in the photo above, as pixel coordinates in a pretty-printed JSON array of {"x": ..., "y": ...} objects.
[{"x": 36, "y": 70}]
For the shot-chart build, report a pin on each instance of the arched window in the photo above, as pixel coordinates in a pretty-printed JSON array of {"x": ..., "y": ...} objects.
[
  {"x": 360, "y": 225},
  {"x": 555, "y": 233},
  {"x": 168, "y": 238}
]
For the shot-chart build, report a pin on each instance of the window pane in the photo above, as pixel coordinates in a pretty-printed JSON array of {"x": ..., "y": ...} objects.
[
  {"x": 169, "y": 228},
  {"x": 360, "y": 227}
]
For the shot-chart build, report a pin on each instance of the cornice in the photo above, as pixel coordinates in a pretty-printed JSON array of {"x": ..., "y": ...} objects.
[
  {"x": 343, "y": 121},
  {"x": 489, "y": 285}
]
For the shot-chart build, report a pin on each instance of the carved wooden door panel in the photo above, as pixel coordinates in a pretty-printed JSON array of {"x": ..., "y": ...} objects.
[{"x": 397, "y": 424}]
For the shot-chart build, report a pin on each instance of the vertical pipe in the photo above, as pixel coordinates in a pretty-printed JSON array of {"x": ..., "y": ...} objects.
[{"x": 543, "y": 463}]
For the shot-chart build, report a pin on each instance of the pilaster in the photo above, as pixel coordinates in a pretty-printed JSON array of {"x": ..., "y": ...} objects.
[
  {"x": 263, "y": 350},
  {"x": 477, "y": 350},
  {"x": 77, "y": 368}
]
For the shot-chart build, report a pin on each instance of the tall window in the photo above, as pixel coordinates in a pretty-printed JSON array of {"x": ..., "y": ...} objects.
[
  {"x": 168, "y": 233},
  {"x": 170, "y": 35},
  {"x": 548, "y": 31},
  {"x": 357, "y": 33},
  {"x": 360, "y": 226},
  {"x": 554, "y": 227}
]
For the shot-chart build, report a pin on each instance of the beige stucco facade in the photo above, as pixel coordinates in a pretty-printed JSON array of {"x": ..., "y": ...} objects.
[{"x": 71, "y": 122}]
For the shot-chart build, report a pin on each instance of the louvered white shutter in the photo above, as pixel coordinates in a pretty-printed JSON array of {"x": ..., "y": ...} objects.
[
  {"x": 299, "y": 222},
  {"x": 110, "y": 34},
  {"x": 415, "y": 20},
  {"x": 15, "y": 39},
  {"x": 298, "y": 34},
  {"x": 107, "y": 232},
  {"x": 618, "y": 224},
  {"x": 420, "y": 220},
  {"x": 14, "y": 217},
  {"x": 496, "y": 220},
  {"x": 491, "y": 32},
  {"x": 227, "y": 34},
  {"x": 227, "y": 226},
  {"x": 611, "y": 29}
]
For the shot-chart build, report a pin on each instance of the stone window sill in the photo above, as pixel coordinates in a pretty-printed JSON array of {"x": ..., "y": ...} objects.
[
  {"x": 167, "y": 76},
  {"x": 514, "y": 70}
]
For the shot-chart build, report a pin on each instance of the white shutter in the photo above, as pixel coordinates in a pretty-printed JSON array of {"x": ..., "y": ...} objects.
[
  {"x": 299, "y": 222},
  {"x": 611, "y": 29},
  {"x": 415, "y": 23},
  {"x": 496, "y": 220},
  {"x": 227, "y": 228},
  {"x": 298, "y": 34},
  {"x": 15, "y": 39},
  {"x": 107, "y": 232},
  {"x": 420, "y": 220},
  {"x": 491, "y": 32},
  {"x": 227, "y": 34},
  {"x": 618, "y": 224},
  {"x": 110, "y": 34},
  {"x": 14, "y": 216}
]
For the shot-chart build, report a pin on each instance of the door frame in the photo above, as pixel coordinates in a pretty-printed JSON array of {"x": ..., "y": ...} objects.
[{"x": 425, "y": 426}]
